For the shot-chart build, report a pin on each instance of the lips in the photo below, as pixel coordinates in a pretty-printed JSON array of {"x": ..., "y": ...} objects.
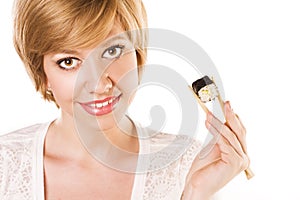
[{"x": 101, "y": 107}]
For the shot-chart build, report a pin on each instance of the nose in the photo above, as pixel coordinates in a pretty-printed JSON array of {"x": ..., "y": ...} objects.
[
  {"x": 104, "y": 84},
  {"x": 95, "y": 75}
]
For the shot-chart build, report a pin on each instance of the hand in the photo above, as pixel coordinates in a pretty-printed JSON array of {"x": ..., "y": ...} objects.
[{"x": 227, "y": 157}]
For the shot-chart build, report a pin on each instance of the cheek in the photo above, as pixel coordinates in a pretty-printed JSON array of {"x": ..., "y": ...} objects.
[
  {"x": 124, "y": 72},
  {"x": 123, "y": 65},
  {"x": 62, "y": 88}
]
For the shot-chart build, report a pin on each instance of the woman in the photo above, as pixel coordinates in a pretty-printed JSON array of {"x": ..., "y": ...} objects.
[{"x": 93, "y": 150}]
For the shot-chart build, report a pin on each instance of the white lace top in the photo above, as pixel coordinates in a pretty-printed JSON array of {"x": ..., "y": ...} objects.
[{"x": 21, "y": 165}]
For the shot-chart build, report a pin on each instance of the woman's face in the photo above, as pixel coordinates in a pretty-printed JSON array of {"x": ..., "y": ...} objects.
[{"x": 94, "y": 84}]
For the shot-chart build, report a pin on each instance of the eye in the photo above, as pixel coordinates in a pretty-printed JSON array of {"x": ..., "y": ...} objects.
[
  {"x": 68, "y": 63},
  {"x": 113, "y": 52}
]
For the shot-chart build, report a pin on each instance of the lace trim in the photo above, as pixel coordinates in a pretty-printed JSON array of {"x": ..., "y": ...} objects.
[
  {"x": 168, "y": 182},
  {"x": 16, "y": 150}
]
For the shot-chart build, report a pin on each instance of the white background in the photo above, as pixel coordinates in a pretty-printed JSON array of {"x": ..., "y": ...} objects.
[{"x": 255, "y": 46}]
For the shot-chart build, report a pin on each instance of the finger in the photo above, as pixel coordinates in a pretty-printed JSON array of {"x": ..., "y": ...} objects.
[
  {"x": 227, "y": 152},
  {"x": 242, "y": 124},
  {"x": 205, "y": 160},
  {"x": 233, "y": 122},
  {"x": 208, "y": 149},
  {"x": 244, "y": 143},
  {"x": 216, "y": 127},
  {"x": 231, "y": 157}
]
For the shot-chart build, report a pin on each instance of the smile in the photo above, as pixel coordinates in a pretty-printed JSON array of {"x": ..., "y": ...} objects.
[{"x": 101, "y": 107}]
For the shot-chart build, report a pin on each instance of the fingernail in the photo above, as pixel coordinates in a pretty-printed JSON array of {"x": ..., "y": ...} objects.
[
  {"x": 209, "y": 116},
  {"x": 228, "y": 105}
]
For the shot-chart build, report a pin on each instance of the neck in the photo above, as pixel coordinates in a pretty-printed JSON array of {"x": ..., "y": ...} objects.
[{"x": 62, "y": 139}]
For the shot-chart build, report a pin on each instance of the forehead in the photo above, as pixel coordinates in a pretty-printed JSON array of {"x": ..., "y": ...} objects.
[{"x": 116, "y": 33}]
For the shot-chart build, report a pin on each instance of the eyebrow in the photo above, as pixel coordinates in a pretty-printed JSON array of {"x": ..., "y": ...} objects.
[
  {"x": 70, "y": 51},
  {"x": 104, "y": 43},
  {"x": 113, "y": 38}
]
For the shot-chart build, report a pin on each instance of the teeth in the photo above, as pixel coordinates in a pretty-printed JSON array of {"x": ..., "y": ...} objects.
[{"x": 100, "y": 105}]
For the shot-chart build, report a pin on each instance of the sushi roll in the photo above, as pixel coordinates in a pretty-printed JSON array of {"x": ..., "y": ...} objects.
[{"x": 206, "y": 89}]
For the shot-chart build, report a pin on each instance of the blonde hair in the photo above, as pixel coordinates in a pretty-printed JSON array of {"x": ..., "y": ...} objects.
[{"x": 46, "y": 26}]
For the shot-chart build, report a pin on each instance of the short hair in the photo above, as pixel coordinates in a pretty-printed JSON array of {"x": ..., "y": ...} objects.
[{"x": 47, "y": 26}]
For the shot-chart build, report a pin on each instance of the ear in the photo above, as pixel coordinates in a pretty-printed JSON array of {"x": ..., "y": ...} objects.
[{"x": 48, "y": 85}]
